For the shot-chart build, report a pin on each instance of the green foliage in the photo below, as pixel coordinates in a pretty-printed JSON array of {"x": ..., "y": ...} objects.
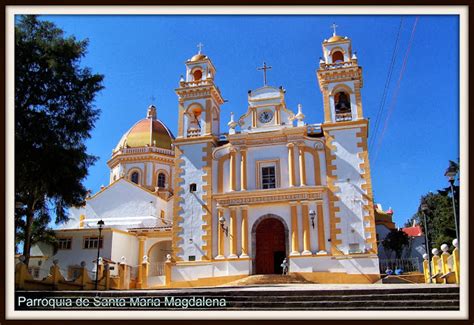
[
  {"x": 54, "y": 115},
  {"x": 395, "y": 241},
  {"x": 439, "y": 217},
  {"x": 439, "y": 214}
]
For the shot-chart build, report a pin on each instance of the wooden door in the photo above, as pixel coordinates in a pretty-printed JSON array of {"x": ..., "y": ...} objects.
[{"x": 270, "y": 242}]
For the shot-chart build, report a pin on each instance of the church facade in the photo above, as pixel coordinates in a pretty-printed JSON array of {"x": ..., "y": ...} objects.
[{"x": 222, "y": 201}]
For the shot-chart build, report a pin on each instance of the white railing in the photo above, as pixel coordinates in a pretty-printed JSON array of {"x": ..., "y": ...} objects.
[
  {"x": 343, "y": 117},
  {"x": 194, "y": 133},
  {"x": 156, "y": 269},
  {"x": 329, "y": 66},
  {"x": 197, "y": 83},
  {"x": 450, "y": 263},
  {"x": 145, "y": 150}
]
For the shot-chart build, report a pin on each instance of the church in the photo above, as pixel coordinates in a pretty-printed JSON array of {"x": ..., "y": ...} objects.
[{"x": 221, "y": 201}]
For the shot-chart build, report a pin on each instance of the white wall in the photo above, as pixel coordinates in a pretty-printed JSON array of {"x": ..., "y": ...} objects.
[
  {"x": 348, "y": 179},
  {"x": 192, "y": 210},
  {"x": 206, "y": 270}
]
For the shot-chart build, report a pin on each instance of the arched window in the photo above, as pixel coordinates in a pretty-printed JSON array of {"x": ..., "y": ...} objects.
[
  {"x": 342, "y": 107},
  {"x": 337, "y": 57},
  {"x": 135, "y": 177},
  {"x": 197, "y": 75},
  {"x": 343, "y": 102},
  {"x": 161, "y": 180}
]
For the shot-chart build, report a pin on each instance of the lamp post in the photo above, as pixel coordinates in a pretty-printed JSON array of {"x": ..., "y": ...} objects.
[
  {"x": 224, "y": 228},
  {"x": 312, "y": 215},
  {"x": 100, "y": 223},
  {"x": 424, "y": 208},
  {"x": 451, "y": 173}
]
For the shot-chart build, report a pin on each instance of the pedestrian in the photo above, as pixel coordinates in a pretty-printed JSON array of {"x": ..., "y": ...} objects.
[{"x": 284, "y": 267}]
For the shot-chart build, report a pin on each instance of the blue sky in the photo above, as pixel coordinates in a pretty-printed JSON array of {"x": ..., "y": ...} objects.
[{"x": 143, "y": 57}]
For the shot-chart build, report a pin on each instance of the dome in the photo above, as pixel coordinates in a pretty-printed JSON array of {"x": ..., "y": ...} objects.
[
  {"x": 198, "y": 57},
  {"x": 147, "y": 132},
  {"x": 335, "y": 38}
]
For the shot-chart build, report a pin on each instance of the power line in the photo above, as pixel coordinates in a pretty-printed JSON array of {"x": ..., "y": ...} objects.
[
  {"x": 397, "y": 88},
  {"x": 387, "y": 86}
]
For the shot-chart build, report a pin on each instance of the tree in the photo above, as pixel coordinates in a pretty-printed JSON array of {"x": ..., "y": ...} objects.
[
  {"x": 54, "y": 114},
  {"x": 439, "y": 219},
  {"x": 396, "y": 241}
]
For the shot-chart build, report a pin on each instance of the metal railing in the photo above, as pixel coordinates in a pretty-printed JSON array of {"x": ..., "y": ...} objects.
[
  {"x": 411, "y": 264},
  {"x": 156, "y": 269}
]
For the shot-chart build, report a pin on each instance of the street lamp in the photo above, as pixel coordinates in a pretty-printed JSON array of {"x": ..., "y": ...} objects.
[
  {"x": 100, "y": 223},
  {"x": 451, "y": 173},
  {"x": 224, "y": 228},
  {"x": 312, "y": 214},
  {"x": 424, "y": 208}
]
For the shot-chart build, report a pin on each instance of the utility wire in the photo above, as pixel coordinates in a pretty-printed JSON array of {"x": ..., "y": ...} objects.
[
  {"x": 387, "y": 86},
  {"x": 397, "y": 88}
]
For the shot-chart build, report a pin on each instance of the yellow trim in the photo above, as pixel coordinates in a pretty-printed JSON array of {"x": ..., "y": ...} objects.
[
  {"x": 140, "y": 175},
  {"x": 141, "y": 251},
  {"x": 302, "y": 164},
  {"x": 243, "y": 169},
  {"x": 220, "y": 172},
  {"x": 341, "y": 87},
  {"x": 177, "y": 209},
  {"x": 321, "y": 237},
  {"x": 81, "y": 220},
  {"x": 291, "y": 164},
  {"x": 332, "y": 198},
  {"x": 244, "y": 231},
  {"x": 220, "y": 233},
  {"x": 233, "y": 231},
  {"x": 151, "y": 247},
  {"x": 456, "y": 265},
  {"x": 207, "y": 202},
  {"x": 232, "y": 166},
  {"x": 294, "y": 229},
  {"x": 306, "y": 232},
  {"x": 317, "y": 166},
  {"x": 369, "y": 218}
]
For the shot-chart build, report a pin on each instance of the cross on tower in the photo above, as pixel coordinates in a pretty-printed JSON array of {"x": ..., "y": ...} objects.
[
  {"x": 200, "y": 46},
  {"x": 152, "y": 98},
  {"x": 264, "y": 68},
  {"x": 333, "y": 26}
]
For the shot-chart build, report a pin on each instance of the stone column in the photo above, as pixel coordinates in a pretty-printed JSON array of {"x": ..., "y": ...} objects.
[
  {"x": 243, "y": 169},
  {"x": 302, "y": 164},
  {"x": 294, "y": 230},
  {"x": 220, "y": 235},
  {"x": 233, "y": 233},
  {"x": 141, "y": 250},
  {"x": 291, "y": 164},
  {"x": 321, "y": 237},
  {"x": 244, "y": 231},
  {"x": 232, "y": 169},
  {"x": 306, "y": 231}
]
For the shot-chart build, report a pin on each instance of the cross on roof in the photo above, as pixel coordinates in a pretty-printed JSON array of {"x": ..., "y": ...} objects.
[
  {"x": 333, "y": 26},
  {"x": 264, "y": 68},
  {"x": 152, "y": 98},
  {"x": 200, "y": 46}
]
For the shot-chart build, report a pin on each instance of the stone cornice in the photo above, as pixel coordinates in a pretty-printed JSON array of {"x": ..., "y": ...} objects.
[{"x": 254, "y": 197}]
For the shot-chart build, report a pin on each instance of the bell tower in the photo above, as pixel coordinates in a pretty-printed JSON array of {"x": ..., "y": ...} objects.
[
  {"x": 198, "y": 130},
  {"x": 345, "y": 131},
  {"x": 340, "y": 80}
]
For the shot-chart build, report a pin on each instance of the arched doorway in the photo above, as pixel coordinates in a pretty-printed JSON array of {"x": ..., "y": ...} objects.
[
  {"x": 157, "y": 257},
  {"x": 270, "y": 237}
]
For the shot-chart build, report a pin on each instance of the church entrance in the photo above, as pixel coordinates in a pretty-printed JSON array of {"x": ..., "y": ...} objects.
[{"x": 270, "y": 246}]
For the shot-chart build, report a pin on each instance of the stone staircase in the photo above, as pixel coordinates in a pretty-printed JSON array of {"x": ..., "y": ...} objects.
[
  {"x": 299, "y": 297},
  {"x": 268, "y": 279}
]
